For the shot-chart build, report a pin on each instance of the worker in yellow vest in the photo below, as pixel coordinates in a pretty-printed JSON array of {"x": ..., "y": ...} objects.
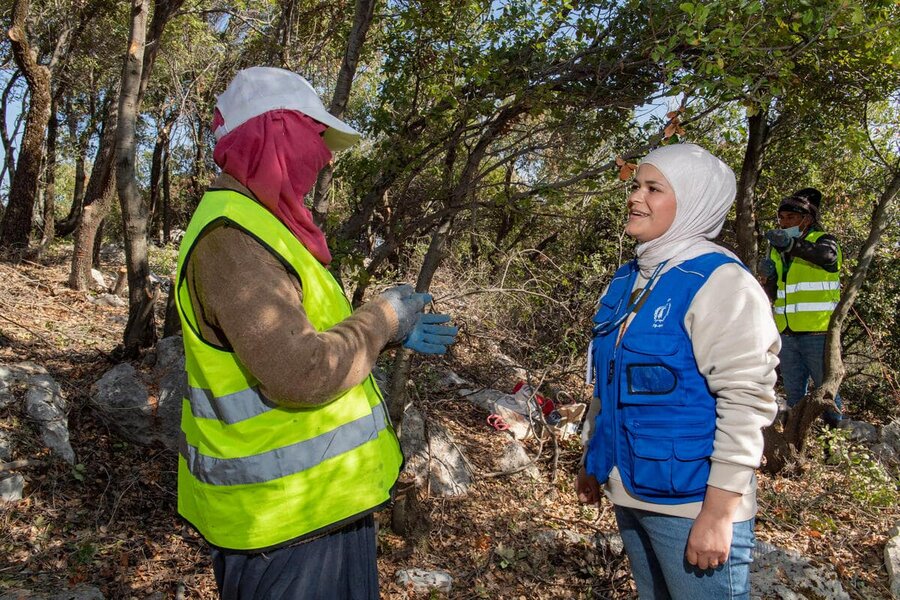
[
  {"x": 286, "y": 446},
  {"x": 802, "y": 277}
]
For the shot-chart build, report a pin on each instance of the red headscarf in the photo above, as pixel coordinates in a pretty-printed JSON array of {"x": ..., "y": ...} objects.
[{"x": 277, "y": 156}]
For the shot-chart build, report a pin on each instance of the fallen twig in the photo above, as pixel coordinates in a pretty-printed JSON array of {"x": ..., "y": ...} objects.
[
  {"x": 17, "y": 465},
  {"x": 32, "y": 332}
]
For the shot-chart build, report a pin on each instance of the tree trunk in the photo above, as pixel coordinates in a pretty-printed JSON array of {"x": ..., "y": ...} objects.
[
  {"x": 98, "y": 239},
  {"x": 68, "y": 225},
  {"x": 121, "y": 282},
  {"x": 98, "y": 199},
  {"x": 86, "y": 236},
  {"x": 50, "y": 183},
  {"x": 453, "y": 203},
  {"x": 400, "y": 372},
  {"x": 288, "y": 8},
  {"x": 362, "y": 20},
  {"x": 15, "y": 228},
  {"x": 140, "y": 331},
  {"x": 198, "y": 172},
  {"x": 156, "y": 170},
  {"x": 9, "y": 164},
  {"x": 783, "y": 447},
  {"x": 759, "y": 135},
  {"x": 166, "y": 200},
  {"x": 172, "y": 322},
  {"x": 408, "y": 516}
]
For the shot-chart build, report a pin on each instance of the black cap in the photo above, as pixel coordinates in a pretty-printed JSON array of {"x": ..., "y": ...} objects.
[
  {"x": 812, "y": 195},
  {"x": 805, "y": 202}
]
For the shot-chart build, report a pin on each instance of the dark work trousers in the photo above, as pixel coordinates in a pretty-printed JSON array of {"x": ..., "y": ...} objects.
[{"x": 337, "y": 566}]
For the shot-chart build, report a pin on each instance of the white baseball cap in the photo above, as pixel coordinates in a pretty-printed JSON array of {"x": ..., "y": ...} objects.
[{"x": 258, "y": 90}]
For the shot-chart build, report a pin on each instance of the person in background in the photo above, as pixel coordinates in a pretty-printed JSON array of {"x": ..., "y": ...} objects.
[
  {"x": 683, "y": 359},
  {"x": 286, "y": 446},
  {"x": 801, "y": 275}
]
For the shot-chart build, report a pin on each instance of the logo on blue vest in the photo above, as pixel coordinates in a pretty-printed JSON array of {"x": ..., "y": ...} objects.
[{"x": 661, "y": 312}]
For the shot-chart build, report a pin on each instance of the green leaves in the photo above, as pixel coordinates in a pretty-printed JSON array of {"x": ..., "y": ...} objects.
[
  {"x": 760, "y": 51},
  {"x": 78, "y": 472}
]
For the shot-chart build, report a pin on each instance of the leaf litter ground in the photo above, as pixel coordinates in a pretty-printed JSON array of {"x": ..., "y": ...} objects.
[{"x": 111, "y": 521}]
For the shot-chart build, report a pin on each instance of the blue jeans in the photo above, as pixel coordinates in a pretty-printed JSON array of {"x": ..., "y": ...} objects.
[
  {"x": 802, "y": 357},
  {"x": 655, "y": 545}
]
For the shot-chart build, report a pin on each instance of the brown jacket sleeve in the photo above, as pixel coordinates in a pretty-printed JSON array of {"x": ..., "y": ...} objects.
[{"x": 245, "y": 298}]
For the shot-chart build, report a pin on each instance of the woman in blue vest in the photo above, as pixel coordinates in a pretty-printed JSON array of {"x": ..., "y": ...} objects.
[{"x": 683, "y": 359}]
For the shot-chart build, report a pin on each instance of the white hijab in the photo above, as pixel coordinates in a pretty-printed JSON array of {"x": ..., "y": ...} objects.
[{"x": 704, "y": 189}]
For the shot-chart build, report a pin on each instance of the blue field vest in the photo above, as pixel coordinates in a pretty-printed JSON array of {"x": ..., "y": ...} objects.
[{"x": 658, "y": 418}]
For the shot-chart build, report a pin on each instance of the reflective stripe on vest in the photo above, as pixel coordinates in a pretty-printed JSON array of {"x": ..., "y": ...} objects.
[
  {"x": 809, "y": 286},
  {"x": 230, "y": 408},
  {"x": 287, "y": 460},
  {"x": 254, "y": 475},
  {"x": 807, "y": 294},
  {"x": 799, "y": 307}
]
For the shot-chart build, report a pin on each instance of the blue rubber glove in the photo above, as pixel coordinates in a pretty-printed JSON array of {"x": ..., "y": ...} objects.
[
  {"x": 781, "y": 239},
  {"x": 408, "y": 305},
  {"x": 428, "y": 336},
  {"x": 766, "y": 268}
]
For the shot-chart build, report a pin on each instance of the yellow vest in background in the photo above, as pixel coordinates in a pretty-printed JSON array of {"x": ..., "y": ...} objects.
[
  {"x": 253, "y": 475},
  {"x": 807, "y": 293}
]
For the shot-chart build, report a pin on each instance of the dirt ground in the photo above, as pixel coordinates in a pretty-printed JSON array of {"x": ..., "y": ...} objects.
[{"x": 111, "y": 521}]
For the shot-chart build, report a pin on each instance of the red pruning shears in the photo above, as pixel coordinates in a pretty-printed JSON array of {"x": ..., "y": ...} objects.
[{"x": 497, "y": 422}]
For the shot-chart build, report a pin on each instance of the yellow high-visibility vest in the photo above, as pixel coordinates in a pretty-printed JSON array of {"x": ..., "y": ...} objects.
[
  {"x": 253, "y": 475},
  {"x": 807, "y": 293}
]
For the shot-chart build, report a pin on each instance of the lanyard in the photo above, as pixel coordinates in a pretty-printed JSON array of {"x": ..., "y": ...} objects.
[
  {"x": 619, "y": 317},
  {"x": 606, "y": 327}
]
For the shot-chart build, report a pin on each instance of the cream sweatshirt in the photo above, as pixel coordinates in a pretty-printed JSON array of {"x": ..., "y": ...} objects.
[{"x": 736, "y": 346}]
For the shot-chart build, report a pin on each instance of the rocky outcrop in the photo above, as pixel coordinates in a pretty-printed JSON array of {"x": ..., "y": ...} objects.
[
  {"x": 777, "y": 573},
  {"x": 45, "y": 406},
  {"x": 124, "y": 396},
  {"x": 12, "y": 489},
  {"x": 433, "y": 458},
  {"x": 516, "y": 459},
  {"x": 892, "y": 560},
  {"x": 420, "y": 581},
  {"x": 887, "y": 450}
]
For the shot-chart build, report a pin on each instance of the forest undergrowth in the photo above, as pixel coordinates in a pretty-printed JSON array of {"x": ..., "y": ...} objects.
[{"x": 110, "y": 520}]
